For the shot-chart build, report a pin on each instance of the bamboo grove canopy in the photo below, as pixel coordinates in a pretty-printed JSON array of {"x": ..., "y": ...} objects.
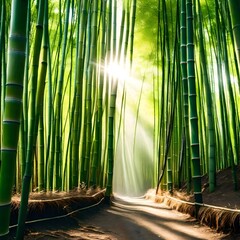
[{"x": 121, "y": 94}]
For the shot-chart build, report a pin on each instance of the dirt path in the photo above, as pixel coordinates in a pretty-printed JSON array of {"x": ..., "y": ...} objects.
[{"x": 127, "y": 219}]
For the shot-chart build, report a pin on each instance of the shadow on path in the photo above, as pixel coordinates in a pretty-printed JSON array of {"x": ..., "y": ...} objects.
[{"x": 126, "y": 219}]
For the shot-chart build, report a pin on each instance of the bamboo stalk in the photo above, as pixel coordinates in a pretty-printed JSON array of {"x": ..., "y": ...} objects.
[
  {"x": 12, "y": 110},
  {"x": 77, "y": 121},
  {"x": 209, "y": 105},
  {"x": 32, "y": 133},
  {"x": 193, "y": 117}
]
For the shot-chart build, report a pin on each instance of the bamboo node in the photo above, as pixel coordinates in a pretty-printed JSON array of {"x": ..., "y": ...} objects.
[
  {"x": 11, "y": 84},
  {"x": 197, "y": 176},
  {"x": 8, "y": 149},
  {"x": 10, "y": 121},
  {"x": 17, "y": 37},
  {"x": 2, "y": 205},
  {"x": 16, "y": 52}
]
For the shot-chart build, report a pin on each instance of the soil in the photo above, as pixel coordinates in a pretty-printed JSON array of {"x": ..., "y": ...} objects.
[
  {"x": 224, "y": 194},
  {"x": 135, "y": 218}
]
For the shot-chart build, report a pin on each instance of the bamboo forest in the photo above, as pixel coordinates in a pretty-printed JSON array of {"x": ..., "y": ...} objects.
[{"x": 118, "y": 97}]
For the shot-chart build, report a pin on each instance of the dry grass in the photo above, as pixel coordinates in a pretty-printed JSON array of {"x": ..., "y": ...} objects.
[
  {"x": 225, "y": 197},
  {"x": 47, "y": 205},
  {"x": 223, "y": 220}
]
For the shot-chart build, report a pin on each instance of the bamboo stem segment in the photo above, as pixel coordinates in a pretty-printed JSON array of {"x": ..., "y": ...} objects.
[{"x": 12, "y": 109}]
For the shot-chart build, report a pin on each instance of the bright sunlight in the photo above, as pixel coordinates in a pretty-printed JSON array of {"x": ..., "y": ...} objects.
[{"x": 118, "y": 71}]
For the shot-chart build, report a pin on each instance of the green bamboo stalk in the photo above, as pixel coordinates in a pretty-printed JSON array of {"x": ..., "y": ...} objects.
[
  {"x": 181, "y": 159},
  {"x": 49, "y": 114},
  {"x": 40, "y": 94},
  {"x": 77, "y": 121},
  {"x": 48, "y": 104},
  {"x": 108, "y": 59},
  {"x": 70, "y": 98},
  {"x": 156, "y": 94},
  {"x": 101, "y": 96},
  {"x": 58, "y": 104},
  {"x": 54, "y": 68},
  {"x": 133, "y": 14},
  {"x": 111, "y": 139},
  {"x": 209, "y": 105},
  {"x": 178, "y": 119},
  {"x": 33, "y": 123},
  {"x": 127, "y": 28},
  {"x": 120, "y": 42},
  {"x": 222, "y": 121},
  {"x": 160, "y": 49},
  {"x": 168, "y": 90},
  {"x": 96, "y": 177},
  {"x": 68, "y": 101},
  {"x": 50, "y": 150},
  {"x": 68, "y": 166},
  {"x": 12, "y": 110},
  {"x": 114, "y": 26},
  {"x": 201, "y": 99},
  {"x": 91, "y": 73},
  {"x": 221, "y": 117},
  {"x": 226, "y": 119},
  {"x": 83, "y": 174},
  {"x": 40, "y": 175},
  {"x": 193, "y": 117},
  {"x": 235, "y": 66},
  {"x": 168, "y": 139},
  {"x": 231, "y": 116},
  {"x": 95, "y": 91},
  {"x": 235, "y": 17},
  {"x": 163, "y": 103},
  {"x": 24, "y": 123},
  {"x": 169, "y": 176},
  {"x": 2, "y": 55},
  {"x": 113, "y": 95},
  {"x": 183, "y": 48},
  {"x": 2, "y": 63}
]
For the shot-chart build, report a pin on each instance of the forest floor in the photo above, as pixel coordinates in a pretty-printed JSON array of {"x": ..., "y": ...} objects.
[
  {"x": 224, "y": 194},
  {"x": 129, "y": 218}
]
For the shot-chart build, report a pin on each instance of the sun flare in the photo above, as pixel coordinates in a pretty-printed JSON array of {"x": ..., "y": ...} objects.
[{"x": 118, "y": 71}]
